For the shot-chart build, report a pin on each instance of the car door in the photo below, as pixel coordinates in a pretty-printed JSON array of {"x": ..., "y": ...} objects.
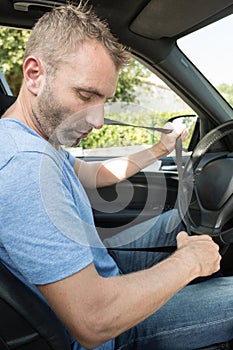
[{"x": 141, "y": 197}]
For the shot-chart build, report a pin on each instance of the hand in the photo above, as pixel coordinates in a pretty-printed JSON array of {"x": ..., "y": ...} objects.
[
  {"x": 167, "y": 141},
  {"x": 200, "y": 252}
]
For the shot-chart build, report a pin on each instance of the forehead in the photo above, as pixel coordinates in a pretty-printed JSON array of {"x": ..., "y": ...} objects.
[{"x": 90, "y": 65}]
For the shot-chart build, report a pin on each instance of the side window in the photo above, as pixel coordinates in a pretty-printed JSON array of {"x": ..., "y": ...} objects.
[
  {"x": 141, "y": 99},
  {"x": 207, "y": 47}
]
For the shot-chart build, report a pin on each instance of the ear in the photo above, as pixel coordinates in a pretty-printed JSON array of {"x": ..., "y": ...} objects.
[{"x": 33, "y": 74}]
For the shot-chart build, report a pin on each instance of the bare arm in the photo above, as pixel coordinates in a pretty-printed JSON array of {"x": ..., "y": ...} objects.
[
  {"x": 109, "y": 172},
  {"x": 100, "y": 174},
  {"x": 97, "y": 309}
]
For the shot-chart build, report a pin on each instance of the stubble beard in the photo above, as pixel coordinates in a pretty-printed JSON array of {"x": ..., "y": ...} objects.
[{"x": 49, "y": 114}]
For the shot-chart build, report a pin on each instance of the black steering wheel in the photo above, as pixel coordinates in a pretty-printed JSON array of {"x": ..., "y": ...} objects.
[{"x": 209, "y": 208}]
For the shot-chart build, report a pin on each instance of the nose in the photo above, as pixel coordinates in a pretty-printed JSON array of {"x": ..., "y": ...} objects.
[{"x": 95, "y": 116}]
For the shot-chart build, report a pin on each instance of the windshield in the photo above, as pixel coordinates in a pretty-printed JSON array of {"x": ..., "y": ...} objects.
[{"x": 211, "y": 50}]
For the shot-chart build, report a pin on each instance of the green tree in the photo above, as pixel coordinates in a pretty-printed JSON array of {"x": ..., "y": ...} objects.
[
  {"x": 131, "y": 77},
  {"x": 227, "y": 92},
  {"x": 12, "y": 44}
]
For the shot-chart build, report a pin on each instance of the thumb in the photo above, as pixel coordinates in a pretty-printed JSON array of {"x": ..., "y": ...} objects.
[{"x": 181, "y": 238}]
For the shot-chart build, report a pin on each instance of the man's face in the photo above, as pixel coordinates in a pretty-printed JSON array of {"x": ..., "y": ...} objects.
[{"x": 71, "y": 102}]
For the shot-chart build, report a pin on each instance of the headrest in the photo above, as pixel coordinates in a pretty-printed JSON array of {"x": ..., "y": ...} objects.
[{"x": 5, "y": 102}]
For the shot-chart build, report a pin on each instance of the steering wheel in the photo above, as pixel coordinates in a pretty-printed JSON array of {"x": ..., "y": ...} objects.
[{"x": 210, "y": 182}]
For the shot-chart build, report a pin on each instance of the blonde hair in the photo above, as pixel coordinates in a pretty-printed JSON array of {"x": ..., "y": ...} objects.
[{"x": 62, "y": 30}]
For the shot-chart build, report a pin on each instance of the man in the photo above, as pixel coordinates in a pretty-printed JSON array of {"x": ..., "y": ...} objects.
[{"x": 48, "y": 238}]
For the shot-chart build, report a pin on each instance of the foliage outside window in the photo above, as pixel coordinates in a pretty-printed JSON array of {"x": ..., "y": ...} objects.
[
  {"x": 131, "y": 79},
  {"x": 12, "y": 44}
]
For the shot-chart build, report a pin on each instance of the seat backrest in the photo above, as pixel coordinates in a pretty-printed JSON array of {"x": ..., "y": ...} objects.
[
  {"x": 5, "y": 102},
  {"x": 26, "y": 321},
  {"x": 6, "y": 97}
]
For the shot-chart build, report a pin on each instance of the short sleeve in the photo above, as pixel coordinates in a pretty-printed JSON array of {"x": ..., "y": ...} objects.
[
  {"x": 43, "y": 231},
  {"x": 69, "y": 156}
]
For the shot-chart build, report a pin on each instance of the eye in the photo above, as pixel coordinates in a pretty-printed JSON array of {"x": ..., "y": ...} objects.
[{"x": 84, "y": 95}]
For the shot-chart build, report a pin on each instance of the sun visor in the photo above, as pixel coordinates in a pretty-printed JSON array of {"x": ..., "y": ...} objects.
[{"x": 169, "y": 18}]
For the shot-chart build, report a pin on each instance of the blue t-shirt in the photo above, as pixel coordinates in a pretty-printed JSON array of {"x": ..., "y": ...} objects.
[{"x": 47, "y": 231}]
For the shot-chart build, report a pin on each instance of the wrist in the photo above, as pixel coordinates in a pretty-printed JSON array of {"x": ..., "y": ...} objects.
[
  {"x": 187, "y": 264},
  {"x": 159, "y": 150}
]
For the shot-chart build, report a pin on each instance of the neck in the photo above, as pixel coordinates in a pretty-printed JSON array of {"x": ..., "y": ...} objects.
[
  {"x": 22, "y": 110},
  {"x": 19, "y": 112}
]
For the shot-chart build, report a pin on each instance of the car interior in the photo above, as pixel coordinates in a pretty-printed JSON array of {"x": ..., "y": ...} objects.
[{"x": 201, "y": 187}]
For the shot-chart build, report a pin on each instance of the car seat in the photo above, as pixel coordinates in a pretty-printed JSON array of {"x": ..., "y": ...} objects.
[
  {"x": 5, "y": 102},
  {"x": 27, "y": 322}
]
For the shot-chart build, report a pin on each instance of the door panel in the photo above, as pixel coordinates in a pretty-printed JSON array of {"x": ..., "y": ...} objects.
[{"x": 139, "y": 198}]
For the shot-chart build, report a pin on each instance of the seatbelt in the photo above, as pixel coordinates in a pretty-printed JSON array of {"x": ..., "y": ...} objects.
[
  {"x": 178, "y": 149},
  {"x": 115, "y": 122},
  {"x": 180, "y": 196}
]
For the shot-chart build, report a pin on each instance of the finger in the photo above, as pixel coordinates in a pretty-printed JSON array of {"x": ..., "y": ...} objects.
[
  {"x": 203, "y": 237},
  {"x": 178, "y": 126},
  {"x": 181, "y": 237},
  {"x": 169, "y": 125},
  {"x": 184, "y": 134}
]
